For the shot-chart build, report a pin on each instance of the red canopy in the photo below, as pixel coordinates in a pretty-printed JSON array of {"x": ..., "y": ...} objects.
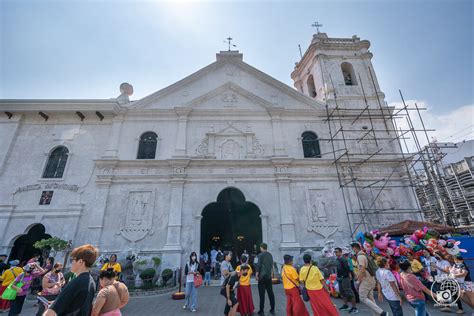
[{"x": 408, "y": 227}]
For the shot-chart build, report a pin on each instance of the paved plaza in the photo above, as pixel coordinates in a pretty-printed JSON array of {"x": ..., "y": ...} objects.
[{"x": 211, "y": 303}]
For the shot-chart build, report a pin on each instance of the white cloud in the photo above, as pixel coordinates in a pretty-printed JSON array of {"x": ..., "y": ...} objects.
[{"x": 454, "y": 126}]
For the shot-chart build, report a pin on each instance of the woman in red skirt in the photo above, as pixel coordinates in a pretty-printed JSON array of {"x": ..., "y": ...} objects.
[
  {"x": 313, "y": 279},
  {"x": 289, "y": 275},
  {"x": 244, "y": 292}
]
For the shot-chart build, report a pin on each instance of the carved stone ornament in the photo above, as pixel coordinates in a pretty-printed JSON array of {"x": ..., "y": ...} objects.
[
  {"x": 201, "y": 150},
  {"x": 230, "y": 143},
  {"x": 137, "y": 222},
  {"x": 318, "y": 215}
]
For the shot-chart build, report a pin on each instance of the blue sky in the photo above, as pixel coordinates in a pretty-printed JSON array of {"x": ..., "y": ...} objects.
[{"x": 85, "y": 49}]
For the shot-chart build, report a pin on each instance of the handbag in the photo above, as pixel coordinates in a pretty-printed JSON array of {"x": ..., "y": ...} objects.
[
  {"x": 197, "y": 280},
  {"x": 304, "y": 290},
  {"x": 10, "y": 293}
]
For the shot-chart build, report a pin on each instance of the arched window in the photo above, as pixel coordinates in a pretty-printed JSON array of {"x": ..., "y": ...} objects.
[
  {"x": 310, "y": 145},
  {"x": 56, "y": 163},
  {"x": 348, "y": 74},
  {"x": 311, "y": 86},
  {"x": 147, "y": 146}
]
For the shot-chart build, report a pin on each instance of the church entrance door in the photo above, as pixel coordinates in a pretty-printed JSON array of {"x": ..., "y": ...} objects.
[
  {"x": 23, "y": 249},
  {"x": 231, "y": 223}
]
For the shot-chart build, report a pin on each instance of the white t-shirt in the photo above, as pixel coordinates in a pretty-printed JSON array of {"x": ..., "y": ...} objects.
[
  {"x": 384, "y": 277},
  {"x": 191, "y": 268},
  {"x": 442, "y": 264}
]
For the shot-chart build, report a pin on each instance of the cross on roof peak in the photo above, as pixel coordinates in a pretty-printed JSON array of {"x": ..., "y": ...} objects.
[
  {"x": 317, "y": 25},
  {"x": 229, "y": 42}
]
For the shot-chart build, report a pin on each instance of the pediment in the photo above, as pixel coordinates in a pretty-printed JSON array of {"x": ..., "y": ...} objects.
[
  {"x": 227, "y": 83},
  {"x": 230, "y": 96}
]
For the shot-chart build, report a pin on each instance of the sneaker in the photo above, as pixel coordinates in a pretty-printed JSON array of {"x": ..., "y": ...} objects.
[
  {"x": 353, "y": 310},
  {"x": 344, "y": 308},
  {"x": 272, "y": 311},
  {"x": 460, "y": 311},
  {"x": 384, "y": 313},
  {"x": 185, "y": 306},
  {"x": 261, "y": 312},
  {"x": 194, "y": 310}
]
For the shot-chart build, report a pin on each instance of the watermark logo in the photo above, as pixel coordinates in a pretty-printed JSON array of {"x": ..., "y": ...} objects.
[{"x": 446, "y": 291}]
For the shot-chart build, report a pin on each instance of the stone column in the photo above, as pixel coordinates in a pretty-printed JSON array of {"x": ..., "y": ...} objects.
[
  {"x": 264, "y": 219},
  {"x": 5, "y": 214},
  {"x": 173, "y": 249},
  {"x": 112, "y": 147},
  {"x": 8, "y": 130},
  {"x": 97, "y": 213},
  {"x": 180, "y": 149},
  {"x": 288, "y": 244},
  {"x": 279, "y": 149}
]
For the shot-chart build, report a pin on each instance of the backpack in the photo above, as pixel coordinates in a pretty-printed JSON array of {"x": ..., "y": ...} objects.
[{"x": 371, "y": 265}]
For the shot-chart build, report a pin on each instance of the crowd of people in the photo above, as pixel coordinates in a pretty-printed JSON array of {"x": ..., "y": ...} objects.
[
  {"x": 400, "y": 280},
  {"x": 410, "y": 279},
  {"x": 60, "y": 295}
]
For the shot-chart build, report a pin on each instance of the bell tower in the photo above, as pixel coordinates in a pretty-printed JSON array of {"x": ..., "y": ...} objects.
[{"x": 341, "y": 65}]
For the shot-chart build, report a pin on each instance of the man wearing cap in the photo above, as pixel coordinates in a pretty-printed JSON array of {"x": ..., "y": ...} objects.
[
  {"x": 6, "y": 278},
  {"x": 291, "y": 283},
  {"x": 264, "y": 277}
]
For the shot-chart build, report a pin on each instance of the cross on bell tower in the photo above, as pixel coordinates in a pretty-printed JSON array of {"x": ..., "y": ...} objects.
[{"x": 317, "y": 25}]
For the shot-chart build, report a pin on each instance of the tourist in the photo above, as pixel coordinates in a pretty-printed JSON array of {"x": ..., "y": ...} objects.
[
  {"x": 76, "y": 297},
  {"x": 366, "y": 279},
  {"x": 52, "y": 283},
  {"x": 352, "y": 260},
  {"x": 213, "y": 260},
  {"x": 264, "y": 268},
  {"x": 291, "y": 284},
  {"x": 226, "y": 265},
  {"x": 414, "y": 290},
  {"x": 231, "y": 282},
  {"x": 344, "y": 277},
  {"x": 26, "y": 278},
  {"x": 3, "y": 263},
  {"x": 459, "y": 271},
  {"x": 191, "y": 270},
  {"x": 6, "y": 278},
  {"x": 112, "y": 297},
  {"x": 429, "y": 262},
  {"x": 114, "y": 265},
  {"x": 48, "y": 265},
  {"x": 313, "y": 281},
  {"x": 244, "y": 293},
  {"x": 387, "y": 287},
  {"x": 207, "y": 273},
  {"x": 443, "y": 268}
]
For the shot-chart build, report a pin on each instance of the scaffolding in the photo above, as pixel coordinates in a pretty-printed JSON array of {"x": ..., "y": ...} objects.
[{"x": 375, "y": 160}]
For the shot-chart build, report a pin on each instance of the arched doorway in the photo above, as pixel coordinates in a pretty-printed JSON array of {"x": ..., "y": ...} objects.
[
  {"x": 231, "y": 223},
  {"x": 23, "y": 249}
]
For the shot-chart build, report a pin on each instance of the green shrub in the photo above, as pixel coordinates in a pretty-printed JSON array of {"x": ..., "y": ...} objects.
[
  {"x": 147, "y": 277},
  {"x": 141, "y": 262},
  {"x": 166, "y": 275},
  {"x": 156, "y": 261}
]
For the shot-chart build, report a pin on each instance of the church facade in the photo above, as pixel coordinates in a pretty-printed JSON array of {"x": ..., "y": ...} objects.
[{"x": 226, "y": 157}]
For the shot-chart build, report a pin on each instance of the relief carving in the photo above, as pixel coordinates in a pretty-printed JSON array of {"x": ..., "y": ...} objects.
[
  {"x": 319, "y": 209},
  {"x": 137, "y": 222}
]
